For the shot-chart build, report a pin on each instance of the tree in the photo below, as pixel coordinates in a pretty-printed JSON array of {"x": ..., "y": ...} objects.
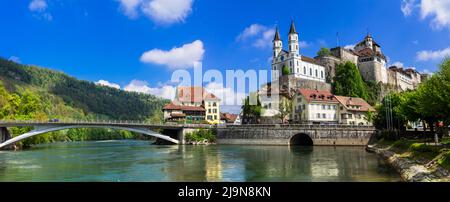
[
  {"x": 286, "y": 71},
  {"x": 348, "y": 82},
  {"x": 323, "y": 52},
  {"x": 286, "y": 107},
  {"x": 251, "y": 112}
]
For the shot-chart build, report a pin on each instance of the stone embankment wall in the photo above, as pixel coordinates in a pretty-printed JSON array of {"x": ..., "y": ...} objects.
[
  {"x": 283, "y": 136},
  {"x": 410, "y": 170}
]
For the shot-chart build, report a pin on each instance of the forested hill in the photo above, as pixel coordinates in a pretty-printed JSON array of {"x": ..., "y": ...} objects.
[{"x": 67, "y": 93}]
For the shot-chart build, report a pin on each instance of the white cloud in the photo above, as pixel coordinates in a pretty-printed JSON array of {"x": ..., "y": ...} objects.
[
  {"x": 428, "y": 55},
  {"x": 15, "y": 59},
  {"x": 166, "y": 91},
  {"x": 258, "y": 35},
  {"x": 407, "y": 7},
  {"x": 438, "y": 10},
  {"x": 350, "y": 46},
  {"x": 129, "y": 7},
  {"x": 107, "y": 83},
  {"x": 39, "y": 8},
  {"x": 398, "y": 64},
  {"x": 252, "y": 30},
  {"x": 182, "y": 57},
  {"x": 160, "y": 11},
  {"x": 303, "y": 44},
  {"x": 37, "y": 5}
]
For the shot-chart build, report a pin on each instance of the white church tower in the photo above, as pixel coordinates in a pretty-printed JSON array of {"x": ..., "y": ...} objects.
[
  {"x": 299, "y": 66},
  {"x": 293, "y": 41}
]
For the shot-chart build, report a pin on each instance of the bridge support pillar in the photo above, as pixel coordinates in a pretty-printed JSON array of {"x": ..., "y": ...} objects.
[{"x": 4, "y": 136}]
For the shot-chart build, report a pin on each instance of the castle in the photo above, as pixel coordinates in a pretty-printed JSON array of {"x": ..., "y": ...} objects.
[{"x": 294, "y": 71}]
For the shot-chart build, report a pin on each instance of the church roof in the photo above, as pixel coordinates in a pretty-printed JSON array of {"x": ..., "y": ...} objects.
[
  {"x": 292, "y": 29},
  {"x": 310, "y": 60},
  {"x": 277, "y": 35}
]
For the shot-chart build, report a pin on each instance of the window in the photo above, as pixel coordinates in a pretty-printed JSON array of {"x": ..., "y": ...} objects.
[
  {"x": 209, "y": 104},
  {"x": 317, "y": 75},
  {"x": 209, "y": 111},
  {"x": 324, "y": 116},
  {"x": 209, "y": 117},
  {"x": 215, "y": 117},
  {"x": 329, "y": 106},
  {"x": 310, "y": 71},
  {"x": 214, "y": 104},
  {"x": 214, "y": 110},
  {"x": 318, "y": 115},
  {"x": 323, "y": 106},
  {"x": 290, "y": 63},
  {"x": 334, "y": 116},
  {"x": 270, "y": 105},
  {"x": 321, "y": 73},
  {"x": 304, "y": 70},
  {"x": 334, "y": 107}
]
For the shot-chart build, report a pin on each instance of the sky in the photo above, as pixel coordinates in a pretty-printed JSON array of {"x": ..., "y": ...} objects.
[{"x": 136, "y": 45}]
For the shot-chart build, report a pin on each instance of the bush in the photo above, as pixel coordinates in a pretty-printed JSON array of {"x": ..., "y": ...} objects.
[
  {"x": 286, "y": 71},
  {"x": 201, "y": 135}
]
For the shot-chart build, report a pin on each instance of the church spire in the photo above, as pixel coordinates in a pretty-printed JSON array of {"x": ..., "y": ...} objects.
[
  {"x": 277, "y": 35},
  {"x": 292, "y": 30}
]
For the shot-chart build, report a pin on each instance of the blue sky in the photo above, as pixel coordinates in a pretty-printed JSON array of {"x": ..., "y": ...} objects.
[{"x": 106, "y": 39}]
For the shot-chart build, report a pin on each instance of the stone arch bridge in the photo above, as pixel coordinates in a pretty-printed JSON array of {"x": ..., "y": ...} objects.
[{"x": 318, "y": 135}]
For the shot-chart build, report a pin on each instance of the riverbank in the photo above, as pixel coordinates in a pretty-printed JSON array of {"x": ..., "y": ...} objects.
[{"x": 415, "y": 161}]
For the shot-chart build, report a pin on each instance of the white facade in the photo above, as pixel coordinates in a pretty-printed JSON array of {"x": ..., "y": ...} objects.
[{"x": 300, "y": 66}]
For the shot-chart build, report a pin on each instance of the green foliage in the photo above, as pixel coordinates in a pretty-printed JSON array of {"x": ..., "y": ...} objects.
[
  {"x": 429, "y": 103},
  {"x": 348, "y": 82},
  {"x": 285, "y": 71},
  {"x": 323, "y": 52},
  {"x": 251, "y": 111},
  {"x": 32, "y": 93},
  {"x": 201, "y": 135},
  {"x": 286, "y": 108},
  {"x": 91, "y": 98}
]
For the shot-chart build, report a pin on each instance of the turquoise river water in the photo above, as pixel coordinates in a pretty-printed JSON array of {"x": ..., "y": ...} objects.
[{"x": 141, "y": 161}]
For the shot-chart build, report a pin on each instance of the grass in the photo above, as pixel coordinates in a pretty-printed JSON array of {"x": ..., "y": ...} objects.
[{"x": 417, "y": 150}]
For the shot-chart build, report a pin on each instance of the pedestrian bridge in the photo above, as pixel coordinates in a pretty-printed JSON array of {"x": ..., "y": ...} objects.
[{"x": 133, "y": 126}]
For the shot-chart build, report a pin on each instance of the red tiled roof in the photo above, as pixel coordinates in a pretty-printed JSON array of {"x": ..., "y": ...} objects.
[
  {"x": 228, "y": 117},
  {"x": 194, "y": 94},
  {"x": 347, "y": 101},
  {"x": 318, "y": 95},
  {"x": 173, "y": 106}
]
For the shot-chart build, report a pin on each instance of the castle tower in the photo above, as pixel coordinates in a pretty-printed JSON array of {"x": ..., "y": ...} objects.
[
  {"x": 277, "y": 44},
  {"x": 369, "y": 41},
  {"x": 293, "y": 40}
]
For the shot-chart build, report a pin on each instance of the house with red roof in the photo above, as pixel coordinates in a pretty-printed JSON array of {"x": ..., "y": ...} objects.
[
  {"x": 315, "y": 107},
  {"x": 193, "y": 104},
  {"x": 354, "y": 111}
]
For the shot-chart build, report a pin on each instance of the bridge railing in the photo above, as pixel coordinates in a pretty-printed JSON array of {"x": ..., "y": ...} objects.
[
  {"x": 310, "y": 126},
  {"x": 102, "y": 122},
  {"x": 176, "y": 125}
]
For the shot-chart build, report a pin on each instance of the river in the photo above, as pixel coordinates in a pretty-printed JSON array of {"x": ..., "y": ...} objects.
[{"x": 140, "y": 161}]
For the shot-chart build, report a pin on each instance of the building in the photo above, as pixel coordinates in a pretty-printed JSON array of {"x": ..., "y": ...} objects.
[
  {"x": 354, "y": 111},
  {"x": 299, "y": 66},
  {"x": 193, "y": 104},
  {"x": 404, "y": 79},
  {"x": 230, "y": 118},
  {"x": 315, "y": 107},
  {"x": 371, "y": 60}
]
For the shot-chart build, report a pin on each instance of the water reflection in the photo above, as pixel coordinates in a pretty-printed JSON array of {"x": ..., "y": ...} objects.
[{"x": 141, "y": 161}]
